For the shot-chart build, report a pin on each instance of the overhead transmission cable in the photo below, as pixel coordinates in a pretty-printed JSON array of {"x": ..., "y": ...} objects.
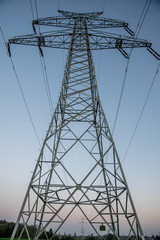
[
  {"x": 44, "y": 69},
  {"x": 138, "y": 28},
  {"x": 147, "y": 97},
  {"x": 140, "y": 116},
  {"x": 143, "y": 14},
  {"x": 31, "y": 8},
  {"x": 152, "y": 83},
  {"x": 21, "y": 90},
  {"x": 43, "y": 64}
]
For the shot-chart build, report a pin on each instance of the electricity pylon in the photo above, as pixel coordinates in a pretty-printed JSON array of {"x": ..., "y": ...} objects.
[{"x": 78, "y": 171}]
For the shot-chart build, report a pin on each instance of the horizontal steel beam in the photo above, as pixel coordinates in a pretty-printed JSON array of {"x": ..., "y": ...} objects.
[
  {"x": 98, "y": 40},
  {"x": 94, "y": 23}
]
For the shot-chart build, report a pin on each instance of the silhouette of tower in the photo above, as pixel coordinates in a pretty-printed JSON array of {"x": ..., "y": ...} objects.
[{"x": 78, "y": 171}]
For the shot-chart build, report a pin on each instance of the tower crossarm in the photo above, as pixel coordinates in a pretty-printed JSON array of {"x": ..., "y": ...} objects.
[
  {"x": 93, "y": 20},
  {"x": 98, "y": 40},
  {"x": 92, "y": 23}
]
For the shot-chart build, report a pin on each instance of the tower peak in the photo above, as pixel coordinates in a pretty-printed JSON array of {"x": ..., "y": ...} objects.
[{"x": 78, "y": 15}]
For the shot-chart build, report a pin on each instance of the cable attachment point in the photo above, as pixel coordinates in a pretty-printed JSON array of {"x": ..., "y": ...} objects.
[
  {"x": 41, "y": 42},
  {"x": 118, "y": 45}
]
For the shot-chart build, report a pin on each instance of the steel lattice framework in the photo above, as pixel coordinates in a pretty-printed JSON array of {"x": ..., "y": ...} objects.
[{"x": 79, "y": 134}]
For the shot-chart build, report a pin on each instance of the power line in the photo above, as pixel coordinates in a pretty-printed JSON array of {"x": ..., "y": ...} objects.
[
  {"x": 36, "y": 7},
  {"x": 58, "y": 5},
  {"x": 139, "y": 25},
  {"x": 144, "y": 12},
  {"x": 121, "y": 93},
  {"x": 21, "y": 90},
  {"x": 45, "y": 75},
  {"x": 32, "y": 8},
  {"x": 140, "y": 116},
  {"x": 140, "y": 22},
  {"x": 43, "y": 64}
]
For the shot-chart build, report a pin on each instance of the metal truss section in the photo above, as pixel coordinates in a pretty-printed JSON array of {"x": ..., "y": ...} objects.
[
  {"x": 98, "y": 41},
  {"x": 78, "y": 172},
  {"x": 92, "y": 23},
  {"x": 61, "y": 39}
]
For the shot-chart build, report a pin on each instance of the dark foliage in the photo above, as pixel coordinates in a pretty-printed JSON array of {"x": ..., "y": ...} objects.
[
  {"x": 91, "y": 237},
  {"x": 6, "y": 229},
  {"x": 109, "y": 237}
]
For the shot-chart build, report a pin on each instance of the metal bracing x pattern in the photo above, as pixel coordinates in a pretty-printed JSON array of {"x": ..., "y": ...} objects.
[
  {"x": 78, "y": 135},
  {"x": 92, "y": 22},
  {"x": 98, "y": 40}
]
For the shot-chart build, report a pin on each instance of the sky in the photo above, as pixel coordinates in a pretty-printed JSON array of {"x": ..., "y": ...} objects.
[{"x": 19, "y": 147}]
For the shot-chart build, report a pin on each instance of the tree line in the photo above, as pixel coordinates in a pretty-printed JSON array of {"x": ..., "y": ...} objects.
[{"x": 6, "y": 229}]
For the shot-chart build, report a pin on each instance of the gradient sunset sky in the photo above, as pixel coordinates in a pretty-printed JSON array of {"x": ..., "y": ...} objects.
[{"x": 19, "y": 147}]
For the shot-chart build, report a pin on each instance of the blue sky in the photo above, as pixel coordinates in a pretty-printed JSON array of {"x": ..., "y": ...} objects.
[{"x": 19, "y": 146}]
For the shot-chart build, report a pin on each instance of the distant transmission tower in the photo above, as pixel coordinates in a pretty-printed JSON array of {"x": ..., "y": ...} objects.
[
  {"x": 73, "y": 176},
  {"x": 82, "y": 226}
]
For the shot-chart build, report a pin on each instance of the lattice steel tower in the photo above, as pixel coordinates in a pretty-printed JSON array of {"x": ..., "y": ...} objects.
[{"x": 78, "y": 172}]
